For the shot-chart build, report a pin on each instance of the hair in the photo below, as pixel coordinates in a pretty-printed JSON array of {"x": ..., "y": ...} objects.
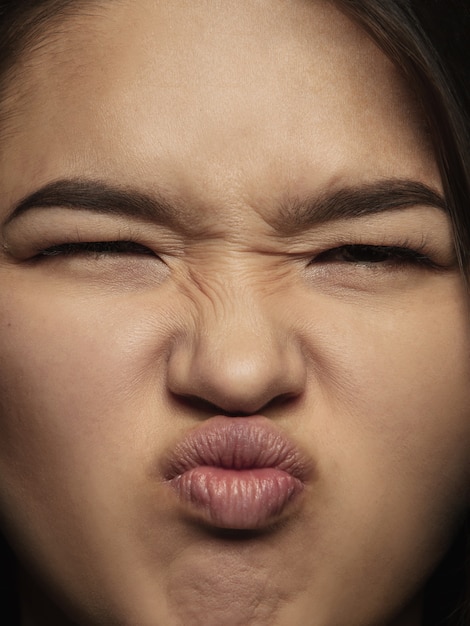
[{"x": 428, "y": 40}]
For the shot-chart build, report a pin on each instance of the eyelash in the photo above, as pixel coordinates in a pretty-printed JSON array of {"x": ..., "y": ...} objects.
[
  {"x": 96, "y": 247},
  {"x": 365, "y": 254}
]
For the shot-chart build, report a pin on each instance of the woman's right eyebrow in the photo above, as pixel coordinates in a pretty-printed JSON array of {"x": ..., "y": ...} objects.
[
  {"x": 293, "y": 216},
  {"x": 100, "y": 197}
]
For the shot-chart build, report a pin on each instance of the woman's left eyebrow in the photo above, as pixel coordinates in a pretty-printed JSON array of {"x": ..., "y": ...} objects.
[{"x": 298, "y": 214}]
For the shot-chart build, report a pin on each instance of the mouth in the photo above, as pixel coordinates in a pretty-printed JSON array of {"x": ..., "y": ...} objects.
[{"x": 239, "y": 473}]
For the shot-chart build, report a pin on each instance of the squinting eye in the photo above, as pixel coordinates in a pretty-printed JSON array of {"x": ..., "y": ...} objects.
[
  {"x": 96, "y": 248},
  {"x": 369, "y": 254}
]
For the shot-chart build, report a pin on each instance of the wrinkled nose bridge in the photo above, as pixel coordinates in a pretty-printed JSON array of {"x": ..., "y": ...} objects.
[
  {"x": 238, "y": 357},
  {"x": 242, "y": 342}
]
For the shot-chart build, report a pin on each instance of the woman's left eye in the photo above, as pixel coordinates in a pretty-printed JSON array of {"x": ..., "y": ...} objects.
[
  {"x": 374, "y": 255},
  {"x": 96, "y": 248}
]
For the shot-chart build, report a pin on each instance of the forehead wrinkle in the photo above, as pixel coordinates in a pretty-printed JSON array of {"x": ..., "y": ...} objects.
[{"x": 35, "y": 47}]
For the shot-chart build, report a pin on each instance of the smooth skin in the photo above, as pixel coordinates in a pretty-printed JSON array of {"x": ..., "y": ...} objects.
[{"x": 233, "y": 113}]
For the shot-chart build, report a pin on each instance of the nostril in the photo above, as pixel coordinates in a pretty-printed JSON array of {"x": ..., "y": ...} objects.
[
  {"x": 198, "y": 404},
  {"x": 208, "y": 409}
]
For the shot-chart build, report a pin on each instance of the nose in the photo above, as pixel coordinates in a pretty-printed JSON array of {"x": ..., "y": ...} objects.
[{"x": 237, "y": 363}]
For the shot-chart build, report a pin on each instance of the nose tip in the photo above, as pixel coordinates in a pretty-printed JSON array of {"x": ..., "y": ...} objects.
[{"x": 239, "y": 373}]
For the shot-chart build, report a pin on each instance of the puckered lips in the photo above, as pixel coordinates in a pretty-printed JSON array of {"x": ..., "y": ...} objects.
[{"x": 238, "y": 473}]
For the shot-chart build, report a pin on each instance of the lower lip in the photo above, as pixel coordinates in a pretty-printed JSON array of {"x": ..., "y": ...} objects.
[{"x": 247, "y": 499}]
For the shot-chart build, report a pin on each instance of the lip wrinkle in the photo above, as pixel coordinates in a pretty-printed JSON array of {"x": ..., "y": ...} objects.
[{"x": 237, "y": 443}]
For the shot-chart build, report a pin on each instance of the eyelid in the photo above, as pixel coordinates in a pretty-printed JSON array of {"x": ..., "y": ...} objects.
[{"x": 29, "y": 236}]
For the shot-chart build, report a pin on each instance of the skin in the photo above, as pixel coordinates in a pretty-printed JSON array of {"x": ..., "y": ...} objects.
[{"x": 107, "y": 360}]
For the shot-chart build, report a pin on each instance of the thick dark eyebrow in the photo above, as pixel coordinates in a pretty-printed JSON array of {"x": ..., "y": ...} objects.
[
  {"x": 298, "y": 214},
  {"x": 101, "y": 197},
  {"x": 294, "y": 214}
]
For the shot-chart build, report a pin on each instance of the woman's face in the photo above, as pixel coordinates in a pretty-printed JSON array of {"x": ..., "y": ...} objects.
[{"x": 257, "y": 411}]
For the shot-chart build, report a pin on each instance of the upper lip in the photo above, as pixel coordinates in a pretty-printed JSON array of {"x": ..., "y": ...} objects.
[{"x": 237, "y": 443}]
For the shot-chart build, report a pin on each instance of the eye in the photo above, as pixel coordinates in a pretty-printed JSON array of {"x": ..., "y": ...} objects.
[
  {"x": 360, "y": 254},
  {"x": 95, "y": 248}
]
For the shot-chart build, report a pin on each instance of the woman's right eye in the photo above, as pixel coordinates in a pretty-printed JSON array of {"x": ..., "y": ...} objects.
[{"x": 95, "y": 248}]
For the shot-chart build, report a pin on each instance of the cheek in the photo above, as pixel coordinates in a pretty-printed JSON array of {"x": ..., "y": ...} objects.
[
  {"x": 83, "y": 415},
  {"x": 80, "y": 376},
  {"x": 415, "y": 385},
  {"x": 398, "y": 420},
  {"x": 395, "y": 372},
  {"x": 389, "y": 425}
]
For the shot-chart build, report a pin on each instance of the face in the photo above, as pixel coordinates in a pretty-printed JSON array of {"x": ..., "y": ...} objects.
[{"x": 233, "y": 336}]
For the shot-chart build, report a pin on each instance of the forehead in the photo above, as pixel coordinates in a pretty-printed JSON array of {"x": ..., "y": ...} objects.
[{"x": 260, "y": 94}]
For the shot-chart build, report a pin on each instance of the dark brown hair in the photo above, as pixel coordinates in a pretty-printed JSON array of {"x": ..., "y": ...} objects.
[{"x": 429, "y": 41}]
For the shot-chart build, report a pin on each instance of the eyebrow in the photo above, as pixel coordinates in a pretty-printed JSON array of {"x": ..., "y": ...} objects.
[
  {"x": 292, "y": 216},
  {"x": 100, "y": 197},
  {"x": 356, "y": 201}
]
